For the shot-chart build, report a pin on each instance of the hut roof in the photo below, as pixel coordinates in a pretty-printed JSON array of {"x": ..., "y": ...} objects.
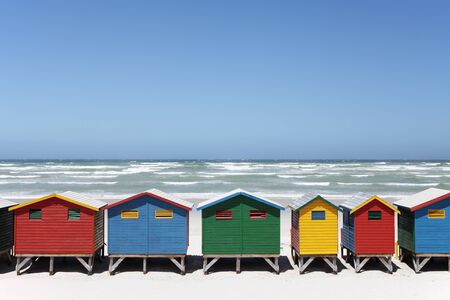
[
  {"x": 362, "y": 199},
  {"x": 5, "y": 203},
  {"x": 160, "y": 196},
  {"x": 72, "y": 197},
  {"x": 306, "y": 199},
  {"x": 235, "y": 193},
  {"x": 423, "y": 198}
]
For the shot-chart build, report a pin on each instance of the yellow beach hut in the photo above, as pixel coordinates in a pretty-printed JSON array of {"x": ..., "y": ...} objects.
[{"x": 314, "y": 231}]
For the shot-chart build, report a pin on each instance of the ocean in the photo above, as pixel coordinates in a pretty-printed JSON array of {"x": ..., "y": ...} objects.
[{"x": 198, "y": 180}]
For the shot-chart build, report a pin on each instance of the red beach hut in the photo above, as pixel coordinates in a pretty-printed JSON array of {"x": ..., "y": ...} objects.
[
  {"x": 368, "y": 230},
  {"x": 59, "y": 225}
]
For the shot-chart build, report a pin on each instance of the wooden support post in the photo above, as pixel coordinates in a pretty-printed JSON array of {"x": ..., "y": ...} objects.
[
  {"x": 111, "y": 263},
  {"x": 306, "y": 264},
  {"x": 179, "y": 265},
  {"x": 17, "y": 265},
  {"x": 51, "y": 268},
  {"x": 205, "y": 263},
  {"x": 144, "y": 265},
  {"x": 448, "y": 259},
  {"x": 335, "y": 269},
  {"x": 331, "y": 263},
  {"x": 8, "y": 256},
  {"x": 238, "y": 265},
  {"x": 91, "y": 265},
  {"x": 183, "y": 264},
  {"x": 273, "y": 264},
  {"x": 418, "y": 265},
  {"x": 387, "y": 262}
]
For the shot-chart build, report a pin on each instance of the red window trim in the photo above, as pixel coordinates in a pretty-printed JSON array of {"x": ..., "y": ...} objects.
[
  {"x": 224, "y": 215},
  {"x": 257, "y": 214}
]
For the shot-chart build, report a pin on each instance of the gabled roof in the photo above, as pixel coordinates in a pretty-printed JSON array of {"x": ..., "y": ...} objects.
[
  {"x": 308, "y": 198},
  {"x": 72, "y": 197},
  {"x": 154, "y": 193},
  {"x": 362, "y": 199},
  {"x": 423, "y": 198},
  {"x": 5, "y": 203},
  {"x": 234, "y": 193}
]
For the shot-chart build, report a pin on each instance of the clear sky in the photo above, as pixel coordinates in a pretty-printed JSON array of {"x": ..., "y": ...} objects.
[{"x": 225, "y": 79}]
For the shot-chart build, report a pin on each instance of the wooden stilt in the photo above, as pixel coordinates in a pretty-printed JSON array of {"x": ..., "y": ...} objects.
[
  {"x": 51, "y": 268},
  {"x": 144, "y": 265},
  {"x": 238, "y": 265}
]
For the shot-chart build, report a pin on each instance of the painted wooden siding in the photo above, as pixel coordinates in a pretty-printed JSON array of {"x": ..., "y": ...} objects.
[
  {"x": 375, "y": 236},
  {"x": 260, "y": 236},
  {"x": 406, "y": 230},
  {"x": 99, "y": 229},
  {"x": 318, "y": 236},
  {"x": 433, "y": 235},
  {"x": 128, "y": 236},
  {"x": 295, "y": 241},
  {"x": 222, "y": 236},
  {"x": 6, "y": 229},
  {"x": 54, "y": 234},
  {"x": 241, "y": 235},
  {"x": 348, "y": 231},
  {"x": 147, "y": 235},
  {"x": 167, "y": 236}
]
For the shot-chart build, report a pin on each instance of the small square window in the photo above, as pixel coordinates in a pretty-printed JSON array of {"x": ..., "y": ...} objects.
[
  {"x": 257, "y": 214},
  {"x": 129, "y": 214},
  {"x": 318, "y": 215},
  {"x": 374, "y": 215},
  {"x": 163, "y": 214},
  {"x": 224, "y": 215},
  {"x": 35, "y": 214},
  {"x": 73, "y": 214},
  {"x": 436, "y": 214}
]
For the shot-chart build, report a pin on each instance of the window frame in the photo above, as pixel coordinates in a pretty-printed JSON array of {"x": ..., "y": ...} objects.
[
  {"x": 76, "y": 210},
  {"x": 35, "y": 210},
  {"x": 436, "y": 217},
  {"x": 318, "y": 219},
  {"x": 228, "y": 216},
  {"x": 163, "y": 217},
  {"x": 123, "y": 217},
  {"x": 372, "y": 218},
  {"x": 258, "y": 214}
]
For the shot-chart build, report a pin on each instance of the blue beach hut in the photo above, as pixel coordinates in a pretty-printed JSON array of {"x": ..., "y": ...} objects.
[
  {"x": 424, "y": 226},
  {"x": 149, "y": 224}
]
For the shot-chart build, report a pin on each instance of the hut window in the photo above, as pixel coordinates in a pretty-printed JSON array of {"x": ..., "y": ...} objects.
[
  {"x": 374, "y": 215},
  {"x": 257, "y": 214},
  {"x": 73, "y": 214},
  {"x": 129, "y": 214},
  {"x": 163, "y": 214},
  {"x": 318, "y": 215},
  {"x": 35, "y": 214},
  {"x": 436, "y": 214},
  {"x": 224, "y": 215}
]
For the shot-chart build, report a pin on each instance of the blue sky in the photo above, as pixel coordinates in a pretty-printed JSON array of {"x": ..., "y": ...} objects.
[{"x": 225, "y": 79}]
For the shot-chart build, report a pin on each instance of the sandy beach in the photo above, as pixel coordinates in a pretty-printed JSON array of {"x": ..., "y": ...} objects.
[{"x": 256, "y": 281}]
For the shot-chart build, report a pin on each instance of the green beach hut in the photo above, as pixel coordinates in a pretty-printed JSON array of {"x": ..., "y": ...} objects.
[{"x": 239, "y": 224}]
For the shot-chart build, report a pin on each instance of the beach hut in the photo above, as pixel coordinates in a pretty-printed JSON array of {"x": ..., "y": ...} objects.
[
  {"x": 6, "y": 228},
  {"x": 368, "y": 230},
  {"x": 59, "y": 225},
  {"x": 239, "y": 224},
  {"x": 149, "y": 224},
  {"x": 424, "y": 226},
  {"x": 314, "y": 231}
]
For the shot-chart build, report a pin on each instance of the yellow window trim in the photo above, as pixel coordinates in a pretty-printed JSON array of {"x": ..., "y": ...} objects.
[
  {"x": 129, "y": 214},
  {"x": 436, "y": 214},
  {"x": 164, "y": 214}
]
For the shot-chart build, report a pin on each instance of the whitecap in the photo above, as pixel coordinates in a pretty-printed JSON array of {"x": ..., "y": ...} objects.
[
  {"x": 292, "y": 176},
  {"x": 430, "y": 176},
  {"x": 361, "y": 175},
  {"x": 94, "y": 176},
  {"x": 355, "y": 183},
  {"x": 81, "y": 182},
  {"x": 170, "y": 173},
  {"x": 19, "y": 176},
  {"x": 408, "y": 184},
  {"x": 312, "y": 183},
  {"x": 180, "y": 182}
]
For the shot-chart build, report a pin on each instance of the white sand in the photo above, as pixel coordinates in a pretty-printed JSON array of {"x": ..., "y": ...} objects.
[{"x": 255, "y": 282}]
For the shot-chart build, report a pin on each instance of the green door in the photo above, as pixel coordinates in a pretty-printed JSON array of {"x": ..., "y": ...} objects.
[{"x": 260, "y": 228}]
